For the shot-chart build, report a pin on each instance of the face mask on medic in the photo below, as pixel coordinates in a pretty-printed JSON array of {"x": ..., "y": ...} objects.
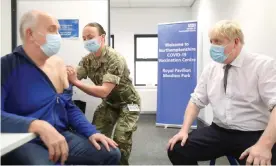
[{"x": 92, "y": 45}]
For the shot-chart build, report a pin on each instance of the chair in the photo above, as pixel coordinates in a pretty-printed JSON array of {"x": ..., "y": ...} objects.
[
  {"x": 81, "y": 105},
  {"x": 231, "y": 160}
]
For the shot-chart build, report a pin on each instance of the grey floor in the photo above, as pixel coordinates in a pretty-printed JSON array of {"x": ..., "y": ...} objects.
[{"x": 149, "y": 144}]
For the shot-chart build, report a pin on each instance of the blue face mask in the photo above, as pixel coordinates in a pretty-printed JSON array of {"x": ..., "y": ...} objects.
[
  {"x": 217, "y": 53},
  {"x": 52, "y": 45},
  {"x": 92, "y": 45}
]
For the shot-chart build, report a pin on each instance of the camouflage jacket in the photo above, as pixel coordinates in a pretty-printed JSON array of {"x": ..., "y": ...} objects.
[{"x": 110, "y": 67}]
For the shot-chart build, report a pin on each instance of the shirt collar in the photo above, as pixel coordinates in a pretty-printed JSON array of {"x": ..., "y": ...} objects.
[
  {"x": 97, "y": 61},
  {"x": 20, "y": 51},
  {"x": 238, "y": 61},
  {"x": 101, "y": 58}
]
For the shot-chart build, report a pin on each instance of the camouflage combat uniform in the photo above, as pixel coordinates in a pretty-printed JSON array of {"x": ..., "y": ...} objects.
[{"x": 111, "y": 67}]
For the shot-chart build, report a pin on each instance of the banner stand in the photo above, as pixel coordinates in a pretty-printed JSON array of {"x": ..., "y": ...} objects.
[{"x": 177, "y": 71}]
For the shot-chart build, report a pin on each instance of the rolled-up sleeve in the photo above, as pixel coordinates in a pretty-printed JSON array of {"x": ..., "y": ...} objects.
[
  {"x": 267, "y": 84},
  {"x": 199, "y": 97},
  {"x": 114, "y": 71},
  {"x": 82, "y": 69}
]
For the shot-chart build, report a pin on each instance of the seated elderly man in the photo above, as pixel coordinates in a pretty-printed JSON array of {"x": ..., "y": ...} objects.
[
  {"x": 36, "y": 97},
  {"x": 241, "y": 88}
]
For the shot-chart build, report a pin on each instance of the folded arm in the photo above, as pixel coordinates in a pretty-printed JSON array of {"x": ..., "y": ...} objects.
[
  {"x": 268, "y": 138},
  {"x": 199, "y": 99},
  {"x": 260, "y": 153},
  {"x": 97, "y": 91},
  {"x": 110, "y": 79},
  {"x": 12, "y": 123},
  {"x": 267, "y": 89},
  {"x": 77, "y": 119}
]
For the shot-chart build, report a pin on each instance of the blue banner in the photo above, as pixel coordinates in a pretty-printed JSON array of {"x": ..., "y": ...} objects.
[
  {"x": 69, "y": 28},
  {"x": 177, "y": 70}
]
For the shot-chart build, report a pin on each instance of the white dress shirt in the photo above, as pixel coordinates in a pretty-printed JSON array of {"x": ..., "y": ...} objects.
[{"x": 250, "y": 94}]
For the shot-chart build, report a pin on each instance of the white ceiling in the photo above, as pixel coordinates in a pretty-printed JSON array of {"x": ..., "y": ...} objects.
[{"x": 150, "y": 3}]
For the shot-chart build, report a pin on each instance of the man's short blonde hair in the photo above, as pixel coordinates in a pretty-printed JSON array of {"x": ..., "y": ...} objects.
[{"x": 227, "y": 28}]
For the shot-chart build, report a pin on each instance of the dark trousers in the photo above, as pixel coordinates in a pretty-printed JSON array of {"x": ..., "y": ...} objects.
[
  {"x": 81, "y": 152},
  {"x": 213, "y": 142}
]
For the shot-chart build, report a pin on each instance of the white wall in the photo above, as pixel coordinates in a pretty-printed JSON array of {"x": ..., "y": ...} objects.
[
  {"x": 125, "y": 22},
  {"x": 256, "y": 17},
  {"x": 5, "y": 27},
  {"x": 78, "y": 51}
]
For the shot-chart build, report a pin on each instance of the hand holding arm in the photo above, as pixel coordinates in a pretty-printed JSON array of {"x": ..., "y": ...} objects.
[{"x": 93, "y": 90}]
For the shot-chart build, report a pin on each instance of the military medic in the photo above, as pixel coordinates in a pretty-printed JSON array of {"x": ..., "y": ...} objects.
[{"x": 108, "y": 70}]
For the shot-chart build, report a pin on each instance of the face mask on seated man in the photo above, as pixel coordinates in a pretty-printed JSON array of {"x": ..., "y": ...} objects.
[
  {"x": 241, "y": 88},
  {"x": 36, "y": 97}
]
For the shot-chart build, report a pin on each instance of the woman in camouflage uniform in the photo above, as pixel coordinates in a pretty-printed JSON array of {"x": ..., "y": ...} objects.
[{"x": 108, "y": 70}]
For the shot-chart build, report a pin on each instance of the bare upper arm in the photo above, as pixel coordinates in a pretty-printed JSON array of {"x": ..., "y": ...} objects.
[{"x": 61, "y": 67}]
